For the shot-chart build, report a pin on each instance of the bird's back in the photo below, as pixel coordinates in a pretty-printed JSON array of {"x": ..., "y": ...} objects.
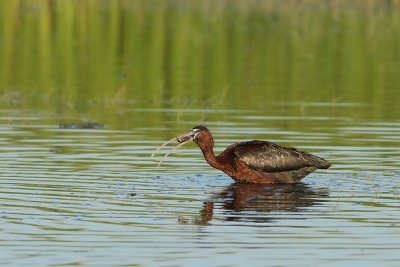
[{"x": 269, "y": 157}]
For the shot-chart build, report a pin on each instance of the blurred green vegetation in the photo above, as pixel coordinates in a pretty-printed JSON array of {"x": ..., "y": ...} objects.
[{"x": 72, "y": 56}]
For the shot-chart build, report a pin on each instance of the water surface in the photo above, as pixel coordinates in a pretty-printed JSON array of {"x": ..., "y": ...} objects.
[{"x": 96, "y": 197}]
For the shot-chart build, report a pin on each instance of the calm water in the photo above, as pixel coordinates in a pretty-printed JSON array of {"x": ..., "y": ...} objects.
[
  {"x": 322, "y": 76},
  {"x": 95, "y": 197}
]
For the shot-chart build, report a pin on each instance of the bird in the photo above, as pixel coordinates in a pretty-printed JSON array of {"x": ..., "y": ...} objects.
[{"x": 253, "y": 162}]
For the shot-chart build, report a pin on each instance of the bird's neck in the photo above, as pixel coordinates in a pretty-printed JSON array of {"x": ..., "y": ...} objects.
[{"x": 208, "y": 152}]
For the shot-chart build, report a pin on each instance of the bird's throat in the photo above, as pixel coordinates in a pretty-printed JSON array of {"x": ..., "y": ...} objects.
[{"x": 208, "y": 152}]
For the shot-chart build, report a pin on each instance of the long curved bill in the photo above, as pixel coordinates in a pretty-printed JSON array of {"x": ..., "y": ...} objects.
[
  {"x": 166, "y": 143},
  {"x": 172, "y": 150},
  {"x": 182, "y": 139}
]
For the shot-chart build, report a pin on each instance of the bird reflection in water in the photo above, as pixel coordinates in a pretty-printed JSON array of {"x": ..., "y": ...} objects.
[{"x": 255, "y": 203}]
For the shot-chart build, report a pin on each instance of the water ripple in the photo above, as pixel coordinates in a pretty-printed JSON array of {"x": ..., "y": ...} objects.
[{"x": 94, "y": 196}]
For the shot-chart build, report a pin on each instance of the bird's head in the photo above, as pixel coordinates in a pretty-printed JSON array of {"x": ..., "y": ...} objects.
[{"x": 198, "y": 134}]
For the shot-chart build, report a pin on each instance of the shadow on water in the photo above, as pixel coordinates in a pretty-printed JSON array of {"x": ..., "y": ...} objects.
[{"x": 257, "y": 203}]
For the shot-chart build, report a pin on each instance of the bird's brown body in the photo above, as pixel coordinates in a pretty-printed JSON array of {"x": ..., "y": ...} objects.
[
  {"x": 259, "y": 162},
  {"x": 241, "y": 173}
]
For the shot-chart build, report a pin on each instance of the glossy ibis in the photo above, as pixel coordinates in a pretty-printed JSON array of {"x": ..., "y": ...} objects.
[{"x": 257, "y": 162}]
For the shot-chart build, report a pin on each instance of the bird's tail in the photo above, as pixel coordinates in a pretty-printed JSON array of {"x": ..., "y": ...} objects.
[{"x": 318, "y": 162}]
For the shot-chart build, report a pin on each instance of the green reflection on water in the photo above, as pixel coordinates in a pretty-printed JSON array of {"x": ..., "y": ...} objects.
[{"x": 101, "y": 57}]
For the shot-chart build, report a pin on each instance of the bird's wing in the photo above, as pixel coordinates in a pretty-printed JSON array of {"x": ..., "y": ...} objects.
[{"x": 269, "y": 157}]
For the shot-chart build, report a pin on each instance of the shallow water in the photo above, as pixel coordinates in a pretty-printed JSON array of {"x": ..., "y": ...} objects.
[{"x": 96, "y": 197}]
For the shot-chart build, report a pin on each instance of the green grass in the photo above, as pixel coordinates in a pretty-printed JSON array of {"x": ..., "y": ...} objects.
[{"x": 85, "y": 56}]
